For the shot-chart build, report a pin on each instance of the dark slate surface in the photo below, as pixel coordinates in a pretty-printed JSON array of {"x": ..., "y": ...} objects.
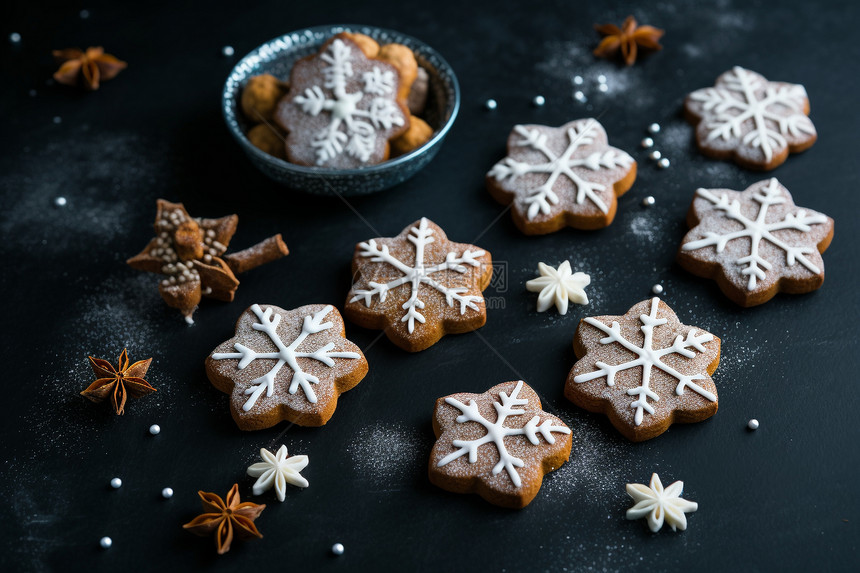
[{"x": 781, "y": 498}]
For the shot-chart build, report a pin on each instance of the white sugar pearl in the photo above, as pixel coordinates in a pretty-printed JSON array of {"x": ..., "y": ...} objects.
[
  {"x": 539, "y": 100},
  {"x": 647, "y": 143},
  {"x": 663, "y": 163},
  {"x": 657, "y": 289},
  {"x": 579, "y": 96},
  {"x": 154, "y": 429},
  {"x": 648, "y": 201},
  {"x": 752, "y": 424},
  {"x": 33, "y": 93},
  {"x": 14, "y": 37},
  {"x": 84, "y": 14},
  {"x": 654, "y": 128},
  {"x": 603, "y": 88},
  {"x": 577, "y": 80},
  {"x": 167, "y": 493},
  {"x": 60, "y": 201},
  {"x": 58, "y": 119},
  {"x": 490, "y": 104},
  {"x": 337, "y": 548},
  {"x": 228, "y": 51},
  {"x": 601, "y": 79},
  {"x": 655, "y": 155},
  {"x": 105, "y": 542},
  {"x": 116, "y": 483}
]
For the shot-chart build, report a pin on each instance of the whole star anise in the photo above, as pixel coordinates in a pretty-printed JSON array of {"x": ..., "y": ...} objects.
[
  {"x": 222, "y": 518},
  {"x": 118, "y": 383},
  {"x": 86, "y": 68},
  {"x": 627, "y": 39}
]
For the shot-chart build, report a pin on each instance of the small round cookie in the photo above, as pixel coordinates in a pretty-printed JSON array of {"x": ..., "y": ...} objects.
[
  {"x": 286, "y": 365},
  {"x": 750, "y": 119},
  {"x": 498, "y": 444},
  {"x": 561, "y": 176},
  {"x": 267, "y": 138},
  {"x": 755, "y": 243},
  {"x": 644, "y": 370},
  {"x": 419, "y": 133},
  {"x": 343, "y": 108},
  {"x": 260, "y": 97}
]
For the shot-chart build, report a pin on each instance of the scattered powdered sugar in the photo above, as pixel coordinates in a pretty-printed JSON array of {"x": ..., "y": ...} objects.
[{"x": 389, "y": 454}]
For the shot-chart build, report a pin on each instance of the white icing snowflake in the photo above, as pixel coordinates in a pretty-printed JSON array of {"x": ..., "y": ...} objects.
[
  {"x": 574, "y": 162},
  {"x": 759, "y": 229},
  {"x": 497, "y": 432},
  {"x": 648, "y": 357},
  {"x": 660, "y": 505},
  {"x": 285, "y": 354},
  {"x": 278, "y": 470},
  {"x": 418, "y": 274},
  {"x": 354, "y": 120},
  {"x": 559, "y": 286},
  {"x": 744, "y": 100}
]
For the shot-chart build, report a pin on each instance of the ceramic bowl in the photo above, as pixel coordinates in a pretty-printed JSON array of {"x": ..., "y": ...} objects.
[{"x": 277, "y": 57}]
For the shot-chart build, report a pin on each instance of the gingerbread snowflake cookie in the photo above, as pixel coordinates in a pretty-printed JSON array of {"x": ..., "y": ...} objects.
[
  {"x": 748, "y": 118},
  {"x": 498, "y": 444},
  {"x": 418, "y": 286},
  {"x": 561, "y": 176},
  {"x": 755, "y": 243},
  {"x": 645, "y": 370},
  {"x": 342, "y": 109},
  {"x": 286, "y": 365}
]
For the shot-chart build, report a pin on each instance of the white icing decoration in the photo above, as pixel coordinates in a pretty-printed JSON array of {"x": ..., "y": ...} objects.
[
  {"x": 542, "y": 198},
  {"x": 278, "y": 470},
  {"x": 754, "y": 264},
  {"x": 497, "y": 432},
  {"x": 648, "y": 357},
  {"x": 559, "y": 286},
  {"x": 284, "y": 355},
  {"x": 736, "y": 101},
  {"x": 660, "y": 505},
  {"x": 358, "y": 136},
  {"x": 419, "y": 274}
]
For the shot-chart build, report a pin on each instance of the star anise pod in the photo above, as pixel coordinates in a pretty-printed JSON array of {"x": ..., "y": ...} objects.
[
  {"x": 86, "y": 68},
  {"x": 223, "y": 518},
  {"x": 118, "y": 383},
  {"x": 627, "y": 39}
]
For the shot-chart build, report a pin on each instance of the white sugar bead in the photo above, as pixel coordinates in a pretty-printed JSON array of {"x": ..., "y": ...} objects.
[
  {"x": 752, "y": 424},
  {"x": 577, "y": 80},
  {"x": 647, "y": 143},
  {"x": 84, "y": 14},
  {"x": 105, "y": 542},
  {"x": 228, "y": 51},
  {"x": 579, "y": 96},
  {"x": 538, "y": 100},
  {"x": 654, "y": 128},
  {"x": 60, "y": 201},
  {"x": 648, "y": 201},
  {"x": 657, "y": 289},
  {"x": 116, "y": 483},
  {"x": 337, "y": 548},
  {"x": 601, "y": 79},
  {"x": 663, "y": 163},
  {"x": 490, "y": 104},
  {"x": 655, "y": 155},
  {"x": 14, "y": 37},
  {"x": 155, "y": 429},
  {"x": 167, "y": 493},
  {"x": 603, "y": 88},
  {"x": 58, "y": 119}
]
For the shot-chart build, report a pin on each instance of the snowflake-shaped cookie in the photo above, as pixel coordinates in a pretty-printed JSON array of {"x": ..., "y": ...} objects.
[
  {"x": 660, "y": 505},
  {"x": 342, "y": 108},
  {"x": 751, "y": 119},
  {"x": 278, "y": 470},
  {"x": 286, "y": 365},
  {"x": 418, "y": 286},
  {"x": 561, "y": 176},
  {"x": 559, "y": 286},
  {"x": 755, "y": 243},
  {"x": 498, "y": 444},
  {"x": 645, "y": 370}
]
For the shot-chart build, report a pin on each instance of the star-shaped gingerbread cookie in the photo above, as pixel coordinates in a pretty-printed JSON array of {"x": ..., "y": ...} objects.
[
  {"x": 418, "y": 286},
  {"x": 286, "y": 365},
  {"x": 755, "y": 243},
  {"x": 498, "y": 444},
  {"x": 555, "y": 177},
  {"x": 644, "y": 370}
]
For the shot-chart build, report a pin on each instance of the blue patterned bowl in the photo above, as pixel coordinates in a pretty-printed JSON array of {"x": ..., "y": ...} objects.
[{"x": 277, "y": 57}]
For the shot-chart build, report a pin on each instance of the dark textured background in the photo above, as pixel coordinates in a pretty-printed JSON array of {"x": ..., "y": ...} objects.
[{"x": 782, "y": 498}]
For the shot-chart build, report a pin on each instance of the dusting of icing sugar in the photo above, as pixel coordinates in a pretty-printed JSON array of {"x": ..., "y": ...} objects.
[{"x": 389, "y": 455}]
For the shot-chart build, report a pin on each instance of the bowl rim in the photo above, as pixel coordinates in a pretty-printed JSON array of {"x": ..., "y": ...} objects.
[{"x": 230, "y": 94}]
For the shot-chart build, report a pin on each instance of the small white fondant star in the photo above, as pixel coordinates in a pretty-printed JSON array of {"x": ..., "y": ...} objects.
[
  {"x": 660, "y": 504},
  {"x": 559, "y": 286},
  {"x": 278, "y": 470}
]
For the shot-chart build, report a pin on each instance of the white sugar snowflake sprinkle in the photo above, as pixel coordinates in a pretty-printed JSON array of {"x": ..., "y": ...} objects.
[
  {"x": 559, "y": 286},
  {"x": 278, "y": 470},
  {"x": 660, "y": 505}
]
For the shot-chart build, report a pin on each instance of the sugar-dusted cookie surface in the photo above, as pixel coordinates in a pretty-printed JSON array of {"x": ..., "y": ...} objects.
[
  {"x": 418, "y": 286},
  {"x": 342, "y": 108},
  {"x": 644, "y": 370},
  {"x": 286, "y": 365},
  {"x": 498, "y": 444},
  {"x": 749, "y": 119},
  {"x": 756, "y": 242},
  {"x": 565, "y": 176}
]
